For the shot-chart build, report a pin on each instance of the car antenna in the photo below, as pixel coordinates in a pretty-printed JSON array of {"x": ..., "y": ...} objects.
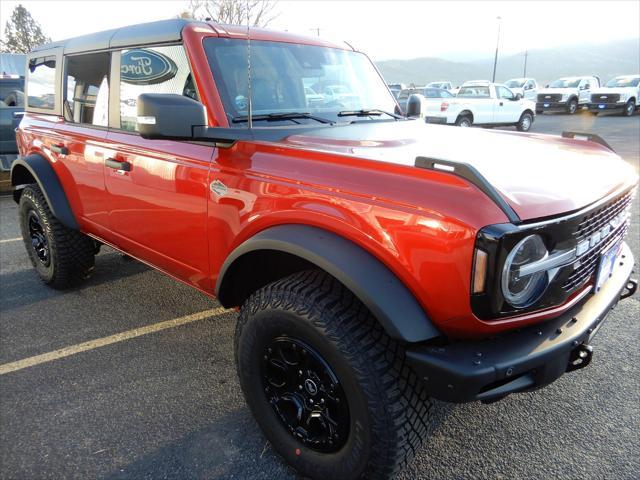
[{"x": 250, "y": 103}]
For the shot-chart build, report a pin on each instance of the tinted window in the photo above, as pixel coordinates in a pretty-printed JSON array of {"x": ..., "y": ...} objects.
[
  {"x": 504, "y": 93},
  {"x": 474, "y": 92},
  {"x": 152, "y": 70},
  {"x": 87, "y": 92},
  {"x": 42, "y": 83},
  {"x": 11, "y": 92}
]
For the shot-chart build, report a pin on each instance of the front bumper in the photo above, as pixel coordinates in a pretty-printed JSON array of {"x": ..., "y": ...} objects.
[
  {"x": 526, "y": 359},
  {"x": 606, "y": 107},
  {"x": 551, "y": 106}
]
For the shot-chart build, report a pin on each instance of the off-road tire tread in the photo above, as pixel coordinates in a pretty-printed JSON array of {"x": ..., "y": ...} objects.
[
  {"x": 396, "y": 396},
  {"x": 72, "y": 251}
]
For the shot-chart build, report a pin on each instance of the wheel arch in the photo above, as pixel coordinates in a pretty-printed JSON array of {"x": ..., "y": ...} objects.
[
  {"x": 36, "y": 169},
  {"x": 285, "y": 249},
  {"x": 465, "y": 113}
]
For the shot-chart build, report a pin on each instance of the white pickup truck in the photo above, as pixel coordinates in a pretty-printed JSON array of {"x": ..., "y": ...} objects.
[
  {"x": 483, "y": 104},
  {"x": 620, "y": 94},
  {"x": 566, "y": 94}
]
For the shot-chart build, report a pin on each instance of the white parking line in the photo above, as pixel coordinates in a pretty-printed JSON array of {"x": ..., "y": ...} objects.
[
  {"x": 101, "y": 342},
  {"x": 7, "y": 240}
]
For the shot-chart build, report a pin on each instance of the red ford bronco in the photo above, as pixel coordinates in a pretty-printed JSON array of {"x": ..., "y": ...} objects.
[{"x": 377, "y": 262}]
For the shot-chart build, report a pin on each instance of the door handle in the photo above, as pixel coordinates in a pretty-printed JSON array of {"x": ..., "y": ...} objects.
[
  {"x": 116, "y": 165},
  {"x": 60, "y": 149}
]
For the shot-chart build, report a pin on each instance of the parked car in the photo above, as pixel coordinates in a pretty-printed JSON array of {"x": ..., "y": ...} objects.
[
  {"x": 377, "y": 262},
  {"x": 566, "y": 94},
  {"x": 313, "y": 99},
  {"x": 12, "y": 68},
  {"x": 396, "y": 88},
  {"x": 484, "y": 104},
  {"x": 527, "y": 87},
  {"x": 620, "y": 94},
  {"x": 433, "y": 96},
  {"x": 442, "y": 85}
]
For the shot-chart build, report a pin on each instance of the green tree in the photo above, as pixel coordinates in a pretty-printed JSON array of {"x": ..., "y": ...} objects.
[{"x": 22, "y": 33}]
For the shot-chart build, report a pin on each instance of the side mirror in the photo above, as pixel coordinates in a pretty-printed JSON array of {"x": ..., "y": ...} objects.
[
  {"x": 518, "y": 96},
  {"x": 546, "y": 86},
  {"x": 415, "y": 105},
  {"x": 168, "y": 115}
]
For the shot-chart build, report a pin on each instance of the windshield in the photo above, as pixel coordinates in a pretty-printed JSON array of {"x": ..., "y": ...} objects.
[
  {"x": 515, "y": 83},
  {"x": 623, "y": 82},
  {"x": 566, "y": 83},
  {"x": 288, "y": 77}
]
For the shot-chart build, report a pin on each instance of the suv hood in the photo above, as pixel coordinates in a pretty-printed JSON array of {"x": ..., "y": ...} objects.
[
  {"x": 565, "y": 91},
  {"x": 538, "y": 175},
  {"x": 621, "y": 90}
]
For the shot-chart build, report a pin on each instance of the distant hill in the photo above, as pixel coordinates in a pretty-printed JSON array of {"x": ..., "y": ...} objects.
[{"x": 605, "y": 60}]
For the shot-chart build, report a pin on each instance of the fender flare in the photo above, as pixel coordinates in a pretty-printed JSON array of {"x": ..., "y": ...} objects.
[
  {"x": 377, "y": 287},
  {"x": 41, "y": 170}
]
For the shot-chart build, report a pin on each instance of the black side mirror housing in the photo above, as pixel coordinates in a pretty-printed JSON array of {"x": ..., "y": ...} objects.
[
  {"x": 518, "y": 96},
  {"x": 414, "y": 105},
  {"x": 169, "y": 116}
]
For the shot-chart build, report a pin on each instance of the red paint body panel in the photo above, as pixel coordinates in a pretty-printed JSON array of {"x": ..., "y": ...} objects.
[{"x": 421, "y": 224}]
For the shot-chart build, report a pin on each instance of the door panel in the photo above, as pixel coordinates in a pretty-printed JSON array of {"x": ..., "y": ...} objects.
[
  {"x": 157, "y": 209},
  {"x": 84, "y": 163}
]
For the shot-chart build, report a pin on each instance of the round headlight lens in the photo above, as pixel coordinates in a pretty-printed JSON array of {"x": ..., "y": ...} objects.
[{"x": 522, "y": 291}]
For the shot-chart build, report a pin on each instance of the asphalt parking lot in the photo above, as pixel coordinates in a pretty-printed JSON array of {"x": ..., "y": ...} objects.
[{"x": 166, "y": 403}]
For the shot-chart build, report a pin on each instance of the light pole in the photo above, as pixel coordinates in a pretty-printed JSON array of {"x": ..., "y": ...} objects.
[
  {"x": 495, "y": 60},
  {"x": 526, "y": 54}
]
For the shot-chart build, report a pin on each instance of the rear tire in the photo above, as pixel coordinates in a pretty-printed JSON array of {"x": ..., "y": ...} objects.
[
  {"x": 572, "y": 106},
  {"x": 464, "y": 121},
  {"x": 525, "y": 122},
  {"x": 61, "y": 256},
  {"x": 629, "y": 108},
  {"x": 385, "y": 407}
]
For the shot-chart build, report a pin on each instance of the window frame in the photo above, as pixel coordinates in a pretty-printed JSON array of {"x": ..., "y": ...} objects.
[
  {"x": 114, "y": 100},
  {"x": 65, "y": 85},
  {"x": 57, "y": 86}
]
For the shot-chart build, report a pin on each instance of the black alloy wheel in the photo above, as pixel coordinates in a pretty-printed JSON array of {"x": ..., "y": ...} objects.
[
  {"x": 305, "y": 394},
  {"x": 39, "y": 242}
]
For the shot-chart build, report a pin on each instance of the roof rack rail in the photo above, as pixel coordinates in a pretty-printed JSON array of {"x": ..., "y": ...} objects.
[{"x": 469, "y": 173}]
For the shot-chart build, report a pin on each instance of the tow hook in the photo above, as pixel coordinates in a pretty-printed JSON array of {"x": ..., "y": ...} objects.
[
  {"x": 629, "y": 289},
  {"x": 580, "y": 357}
]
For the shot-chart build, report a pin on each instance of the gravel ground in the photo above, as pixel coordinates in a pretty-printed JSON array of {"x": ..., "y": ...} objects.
[{"x": 168, "y": 405}]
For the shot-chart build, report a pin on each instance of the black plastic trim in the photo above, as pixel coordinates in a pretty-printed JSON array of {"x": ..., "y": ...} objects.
[
  {"x": 50, "y": 185},
  {"x": 388, "y": 299},
  {"x": 523, "y": 360},
  {"x": 472, "y": 175},
  {"x": 589, "y": 137}
]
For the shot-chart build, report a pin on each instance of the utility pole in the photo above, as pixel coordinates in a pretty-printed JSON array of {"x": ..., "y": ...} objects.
[
  {"x": 495, "y": 60},
  {"x": 526, "y": 54},
  {"x": 316, "y": 29}
]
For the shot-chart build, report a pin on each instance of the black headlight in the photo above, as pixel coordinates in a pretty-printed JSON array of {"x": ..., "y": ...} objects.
[{"x": 521, "y": 289}]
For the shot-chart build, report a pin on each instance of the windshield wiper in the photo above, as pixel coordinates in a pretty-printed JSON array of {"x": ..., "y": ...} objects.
[
  {"x": 374, "y": 112},
  {"x": 273, "y": 117}
]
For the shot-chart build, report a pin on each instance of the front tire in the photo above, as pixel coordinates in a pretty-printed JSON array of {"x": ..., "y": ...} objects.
[
  {"x": 61, "y": 256},
  {"x": 330, "y": 390},
  {"x": 572, "y": 106},
  {"x": 629, "y": 108},
  {"x": 525, "y": 122}
]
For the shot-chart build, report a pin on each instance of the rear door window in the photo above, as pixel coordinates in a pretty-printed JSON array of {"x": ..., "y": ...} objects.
[
  {"x": 87, "y": 89},
  {"x": 42, "y": 83},
  {"x": 152, "y": 70}
]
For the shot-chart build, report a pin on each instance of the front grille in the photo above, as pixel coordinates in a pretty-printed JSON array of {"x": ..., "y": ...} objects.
[
  {"x": 595, "y": 220},
  {"x": 586, "y": 265},
  {"x": 549, "y": 97},
  {"x": 605, "y": 98}
]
